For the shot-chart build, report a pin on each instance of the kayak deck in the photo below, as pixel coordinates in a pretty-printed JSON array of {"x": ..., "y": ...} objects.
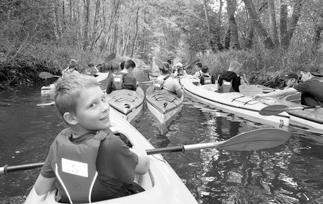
[
  {"x": 129, "y": 103},
  {"x": 234, "y": 102},
  {"x": 163, "y": 104}
]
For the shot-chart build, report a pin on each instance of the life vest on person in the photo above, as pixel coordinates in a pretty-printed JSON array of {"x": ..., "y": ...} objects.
[
  {"x": 205, "y": 79},
  {"x": 117, "y": 80},
  {"x": 75, "y": 166}
]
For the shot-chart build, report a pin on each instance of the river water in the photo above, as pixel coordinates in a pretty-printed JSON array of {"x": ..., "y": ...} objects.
[{"x": 291, "y": 173}]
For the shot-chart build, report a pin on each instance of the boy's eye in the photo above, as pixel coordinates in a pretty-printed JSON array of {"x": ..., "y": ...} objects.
[{"x": 92, "y": 105}]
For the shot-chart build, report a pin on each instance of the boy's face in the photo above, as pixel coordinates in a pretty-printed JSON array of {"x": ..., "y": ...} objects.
[{"x": 92, "y": 109}]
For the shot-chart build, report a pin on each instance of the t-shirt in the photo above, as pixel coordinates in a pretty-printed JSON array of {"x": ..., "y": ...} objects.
[
  {"x": 312, "y": 92},
  {"x": 230, "y": 77},
  {"x": 115, "y": 165},
  {"x": 169, "y": 84},
  {"x": 129, "y": 81}
]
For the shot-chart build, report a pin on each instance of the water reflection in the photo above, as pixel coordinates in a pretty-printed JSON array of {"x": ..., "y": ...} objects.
[{"x": 291, "y": 173}]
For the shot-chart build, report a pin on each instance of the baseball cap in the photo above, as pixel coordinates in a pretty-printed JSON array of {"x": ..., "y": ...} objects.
[{"x": 291, "y": 75}]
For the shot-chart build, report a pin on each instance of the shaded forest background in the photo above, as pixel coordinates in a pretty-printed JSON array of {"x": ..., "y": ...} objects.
[{"x": 267, "y": 36}]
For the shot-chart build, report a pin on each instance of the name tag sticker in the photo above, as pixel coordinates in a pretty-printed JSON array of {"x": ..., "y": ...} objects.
[
  {"x": 117, "y": 79},
  {"x": 75, "y": 167}
]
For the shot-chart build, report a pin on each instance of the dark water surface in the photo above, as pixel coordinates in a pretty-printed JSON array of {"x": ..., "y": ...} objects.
[{"x": 291, "y": 173}]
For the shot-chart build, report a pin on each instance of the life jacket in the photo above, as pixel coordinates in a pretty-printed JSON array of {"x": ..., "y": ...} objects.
[
  {"x": 206, "y": 79},
  {"x": 117, "y": 80},
  {"x": 75, "y": 166}
]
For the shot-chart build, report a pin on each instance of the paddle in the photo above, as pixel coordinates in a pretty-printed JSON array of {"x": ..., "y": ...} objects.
[
  {"x": 47, "y": 75},
  {"x": 252, "y": 140},
  {"x": 276, "y": 109}
]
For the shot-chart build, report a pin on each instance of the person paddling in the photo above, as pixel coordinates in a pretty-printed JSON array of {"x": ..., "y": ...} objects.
[
  {"x": 167, "y": 82},
  {"x": 310, "y": 88},
  {"x": 232, "y": 77},
  {"x": 86, "y": 162}
]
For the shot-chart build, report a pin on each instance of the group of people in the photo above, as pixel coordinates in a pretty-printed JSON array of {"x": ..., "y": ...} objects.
[{"x": 87, "y": 162}]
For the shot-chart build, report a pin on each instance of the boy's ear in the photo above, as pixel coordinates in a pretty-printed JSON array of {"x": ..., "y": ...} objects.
[{"x": 70, "y": 118}]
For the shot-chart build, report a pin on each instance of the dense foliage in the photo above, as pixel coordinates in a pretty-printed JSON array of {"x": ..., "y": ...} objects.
[{"x": 265, "y": 35}]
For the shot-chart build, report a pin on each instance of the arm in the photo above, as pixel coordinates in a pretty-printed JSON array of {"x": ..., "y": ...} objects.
[
  {"x": 143, "y": 164},
  {"x": 39, "y": 192}
]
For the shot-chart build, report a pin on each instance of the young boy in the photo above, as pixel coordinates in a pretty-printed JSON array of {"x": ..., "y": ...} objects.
[
  {"x": 86, "y": 161},
  {"x": 129, "y": 80}
]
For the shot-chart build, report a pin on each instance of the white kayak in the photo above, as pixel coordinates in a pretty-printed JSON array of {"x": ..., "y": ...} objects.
[
  {"x": 234, "y": 102},
  {"x": 162, "y": 185},
  {"x": 163, "y": 104},
  {"x": 127, "y": 102},
  {"x": 48, "y": 90}
]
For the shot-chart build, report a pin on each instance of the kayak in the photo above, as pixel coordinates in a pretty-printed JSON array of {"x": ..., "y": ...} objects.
[
  {"x": 233, "y": 102},
  {"x": 48, "y": 90},
  {"x": 161, "y": 183},
  {"x": 127, "y": 102},
  {"x": 309, "y": 119},
  {"x": 163, "y": 104}
]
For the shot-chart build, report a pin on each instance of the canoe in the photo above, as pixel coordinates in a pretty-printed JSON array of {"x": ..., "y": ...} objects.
[
  {"x": 163, "y": 104},
  {"x": 161, "y": 183},
  {"x": 48, "y": 90},
  {"x": 233, "y": 102},
  {"x": 127, "y": 102}
]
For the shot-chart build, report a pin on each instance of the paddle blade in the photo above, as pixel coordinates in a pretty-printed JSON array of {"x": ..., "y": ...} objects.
[
  {"x": 256, "y": 139},
  {"x": 273, "y": 110},
  {"x": 46, "y": 75}
]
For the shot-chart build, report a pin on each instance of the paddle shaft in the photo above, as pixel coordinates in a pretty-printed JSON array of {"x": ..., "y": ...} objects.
[
  {"x": 180, "y": 148},
  {"x": 247, "y": 141}
]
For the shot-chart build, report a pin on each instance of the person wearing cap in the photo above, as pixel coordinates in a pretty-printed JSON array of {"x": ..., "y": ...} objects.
[
  {"x": 291, "y": 79},
  {"x": 199, "y": 72},
  {"x": 206, "y": 77},
  {"x": 232, "y": 76},
  {"x": 167, "y": 82},
  {"x": 179, "y": 70},
  {"x": 310, "y": 88}
]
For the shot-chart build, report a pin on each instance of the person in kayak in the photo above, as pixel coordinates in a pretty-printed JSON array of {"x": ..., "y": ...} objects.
[
  {"x": 179, "y": 70},
  {"x": 232, "y": 76},
  {"x": 110, "y": 80},
  {"x": 199, "y": 72},
  {"x": 123, "y": 70},
  {"x": 310, "y": 88},
  {"x": 167, "y": 82},
  {"x": 86, "y": 162},
  {"x": 290, "y": 79},
  {"x": 73, "y": 66},
  {"x": 206, "y": 77},
  {"x": 129, "y": 81}
]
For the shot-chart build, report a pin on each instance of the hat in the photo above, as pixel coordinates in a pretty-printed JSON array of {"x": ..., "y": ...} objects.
[{"x": 291, "y": 75}]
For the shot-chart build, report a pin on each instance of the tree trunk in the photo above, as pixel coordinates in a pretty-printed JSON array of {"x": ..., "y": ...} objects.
[
  {"x": 261, "y": 31},
  {"x": 272, "y": 17},
  {"x": 136, "y": 34},
  {"x": 234, "y": 35},
  {"x": 57, "y": 27},
  {"x": 227, "y": 39},
  {"x": 86, "y": 24},
  {"x": 317, "y": 36},
  {"x": 285, "y": 41},
  {"x": 250, "y": 34},
  {"x": 208, "y": 23},
  {"x": 95, "y": 24}
]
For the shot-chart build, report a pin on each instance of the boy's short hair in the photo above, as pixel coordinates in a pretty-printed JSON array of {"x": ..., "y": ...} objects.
[
  {"x": 122, "y": 65},
  {"x": 67, "y": 90},
  {"x": 205, "y": 69},
  {"x": 129, "y": 63}
]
